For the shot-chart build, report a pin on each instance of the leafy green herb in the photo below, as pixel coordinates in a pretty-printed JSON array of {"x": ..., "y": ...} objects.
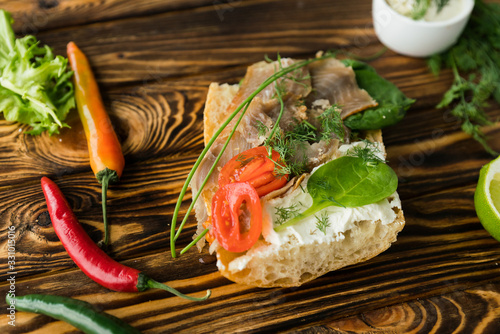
[
  {"x": 368, "y": 152},
  {"x": 261, "y": 128},
  {"x": 243, "y": 159},
  {"x": 302, "y": 132},
  {"x": 285, "y": 213},
  {"x": 331, "y": 124},
  {"x": 323, "y": 222},
  {"x": 35, "y": 87},
  {"x": 475, "y": 63},
  {"x": 392, "y": 103},
  {"x": 347, "y": 182},
  {"x": 288, "y": 146}
]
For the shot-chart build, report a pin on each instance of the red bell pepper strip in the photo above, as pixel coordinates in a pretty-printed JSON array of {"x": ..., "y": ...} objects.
[
  {"x": 255, "y": 167},
  {"x": 237, "y": 228},
  {"x": 92, "y": 260},
  {"x": 105, "y": 153}
]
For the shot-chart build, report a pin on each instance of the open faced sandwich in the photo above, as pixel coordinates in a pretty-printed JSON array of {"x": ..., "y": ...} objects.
[{"x": 294, "y": 182}]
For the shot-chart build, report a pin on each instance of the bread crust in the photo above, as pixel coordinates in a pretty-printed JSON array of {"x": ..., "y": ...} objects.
[{"x": 294, "y": 263}]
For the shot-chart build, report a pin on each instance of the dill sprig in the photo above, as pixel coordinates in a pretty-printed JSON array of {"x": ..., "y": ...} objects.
[
  {"x": 287, "y": 145},
  {"x": 331, "y": 124},
  {"x": 262, "y": 129},
  {"x": 243, "y": 159},
  {"x": 323, "y": 222},
  {"x": 291, "y": 143},
  {"x": 367, "y": 152},
  {"x": 475, "y": 64},
  {"x": 285, "y": 213}
]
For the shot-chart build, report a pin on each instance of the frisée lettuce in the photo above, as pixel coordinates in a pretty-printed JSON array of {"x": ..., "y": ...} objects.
[{"x": 35, "y": 85}]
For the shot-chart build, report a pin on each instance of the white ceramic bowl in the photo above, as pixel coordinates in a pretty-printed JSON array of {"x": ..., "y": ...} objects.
[{"x": 417, "y": 38}]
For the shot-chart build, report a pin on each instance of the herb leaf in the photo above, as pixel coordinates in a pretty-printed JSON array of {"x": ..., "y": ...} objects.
[
  {"x": 366, "y": 152},
  {"x": 475, "y": 64},
  {"x": 323, "y": 222},
  {"x": 331, "y": 124},
  {"x": 286, "y": 213}
]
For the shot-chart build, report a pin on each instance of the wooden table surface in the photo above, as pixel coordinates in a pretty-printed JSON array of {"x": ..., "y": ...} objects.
[{"x": 154, "y": 61}]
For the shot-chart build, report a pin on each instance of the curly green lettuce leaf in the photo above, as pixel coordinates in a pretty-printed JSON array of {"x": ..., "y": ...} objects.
[
  {"x": 35, "y": 85},
  {"x": 392, "y": 103}
]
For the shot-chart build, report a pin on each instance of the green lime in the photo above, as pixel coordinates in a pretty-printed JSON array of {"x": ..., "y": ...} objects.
[{"x": 487, "y": 198}]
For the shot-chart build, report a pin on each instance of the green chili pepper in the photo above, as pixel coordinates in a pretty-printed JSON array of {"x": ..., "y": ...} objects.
[{"x": 78, "y": 313}]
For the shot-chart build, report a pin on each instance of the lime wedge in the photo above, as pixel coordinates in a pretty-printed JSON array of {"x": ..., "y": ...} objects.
[
  {"x": 495, "y": 191},
  {"x": 487, "y": 198}
]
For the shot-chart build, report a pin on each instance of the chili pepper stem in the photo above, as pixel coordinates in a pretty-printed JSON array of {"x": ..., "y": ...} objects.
[
  {"x": 145, "y": 282},
  {"x": 105, "y": 177}
]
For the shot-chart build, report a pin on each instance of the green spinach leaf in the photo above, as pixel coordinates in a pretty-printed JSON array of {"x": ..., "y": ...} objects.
[
  {"x": 392, "y": 103},
  {"x": 347, "y": 182}
]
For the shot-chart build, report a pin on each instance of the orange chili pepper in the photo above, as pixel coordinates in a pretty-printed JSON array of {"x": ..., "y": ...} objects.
[{"x": 105, "y": 153}]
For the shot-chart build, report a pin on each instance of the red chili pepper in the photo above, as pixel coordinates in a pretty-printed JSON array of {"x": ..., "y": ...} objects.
[
  {"x": 92, "y": 260},
  {"x": 255, "y": 167},
  {"x": 236, "y": 228},
  {"x": 105, "y": 153}
]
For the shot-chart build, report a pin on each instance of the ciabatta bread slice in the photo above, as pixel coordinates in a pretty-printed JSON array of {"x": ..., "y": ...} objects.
[{"x": 300, "y": 254}]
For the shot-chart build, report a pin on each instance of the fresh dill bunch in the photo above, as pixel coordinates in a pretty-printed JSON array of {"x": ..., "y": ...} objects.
[
  {"x": 323, "y": 222},
  {"x": 291, "y": 144},
  {"x": 286, "y": 213},
  {"x": 302, "y": 132},
  {"x": 368, "y": 153},
  {"x": 288, "y": 145},
  {"x": 475, "y": 64},
  {"x": 331, "y": 124}
]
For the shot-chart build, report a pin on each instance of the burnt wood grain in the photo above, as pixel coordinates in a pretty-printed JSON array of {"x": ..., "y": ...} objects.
[{"x": 154, "y": 61}]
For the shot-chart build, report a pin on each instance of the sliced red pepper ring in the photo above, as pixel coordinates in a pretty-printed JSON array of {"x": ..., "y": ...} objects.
[
  {"x": 236, "y": 216},
  {"x": 255, "y": 167}
]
